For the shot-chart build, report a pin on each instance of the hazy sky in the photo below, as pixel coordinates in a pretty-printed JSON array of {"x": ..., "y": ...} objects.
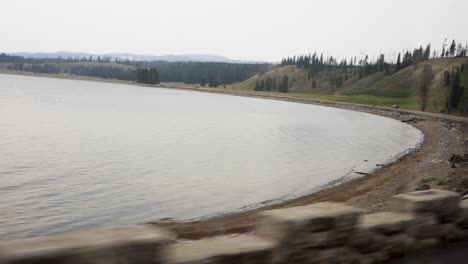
[{"x": 240, "y": 29}]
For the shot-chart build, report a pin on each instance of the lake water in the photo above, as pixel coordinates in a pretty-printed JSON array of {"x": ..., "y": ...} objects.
[{"x": 79, "y": 154}]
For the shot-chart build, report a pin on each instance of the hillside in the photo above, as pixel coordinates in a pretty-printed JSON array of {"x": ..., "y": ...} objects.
[{"x": 380, "y": 88}]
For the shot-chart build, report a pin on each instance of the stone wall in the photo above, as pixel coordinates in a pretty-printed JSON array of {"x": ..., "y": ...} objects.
[{"x": 318, "y": 233}]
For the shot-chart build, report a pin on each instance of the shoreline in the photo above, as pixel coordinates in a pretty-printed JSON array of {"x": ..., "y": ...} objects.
[
  {"x": 288, "y": 97},
  {"x": 427, "y": 164},
  {"x": 371, "y": 192},
  {"x": 442, "y": 136}
]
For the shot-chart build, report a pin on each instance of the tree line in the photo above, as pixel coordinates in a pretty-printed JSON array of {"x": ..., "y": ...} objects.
[
  {"x": 107, "y": 71},
  {"x": 212, "y": 74},
  {"x": 336, "y": 71},
  {"x": 454, "y": 50},
  {"x": 271, "y": 85},
  {"x": 209, "y": 73},
  {"x": 147, "y": 75},
  {"x": 451, "y": 80},
  {"x": 339, "y": 70}
]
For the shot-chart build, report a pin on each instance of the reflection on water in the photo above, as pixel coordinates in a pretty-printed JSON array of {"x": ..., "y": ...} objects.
[{"x": 76, "y": 154}]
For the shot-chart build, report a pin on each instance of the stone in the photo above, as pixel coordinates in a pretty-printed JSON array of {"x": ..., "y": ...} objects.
[
  {"x": 366, "y": 241},
  {"x": 455, "y": 158},
  {"x": 364, "y": 259},
  {"x": 220, "y": 249},
  {"x": 464, "y": 183},
  {"x": 398, "y": 245},
  {"x": 386, "y": 222},
  {"x": 424, "y": 226},
  {"x": 280, "y": 224},
  {"x": 462, "y": 220},
  {"x": 373, "y": 230},
  {"x": 379, "y": 256},
  {"x": 464, "y": 192},
  {"x": 336, "y": 255},
  {"x": 421, "y": 244},
  {"x": 423, "y": 187},
  {"x": 451, "y": 232},
  {"x": 326, "y": 256},
  {"x": 127, "y": 244},
  {"x": 317, "y": 240},
  {"x": 307, "y": 228},
  {"x": 441, "y": 203}
]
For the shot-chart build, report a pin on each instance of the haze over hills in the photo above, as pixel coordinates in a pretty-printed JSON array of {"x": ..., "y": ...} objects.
[
  {"x": 137, "y": 57},
  {"x": 357, "y": 80}
]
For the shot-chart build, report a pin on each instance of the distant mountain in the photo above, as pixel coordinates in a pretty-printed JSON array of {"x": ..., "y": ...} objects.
[{"x": 170, "y": 58}]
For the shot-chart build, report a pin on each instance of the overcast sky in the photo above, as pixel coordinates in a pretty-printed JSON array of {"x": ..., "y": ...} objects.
[{"x": 239, "y": 29}]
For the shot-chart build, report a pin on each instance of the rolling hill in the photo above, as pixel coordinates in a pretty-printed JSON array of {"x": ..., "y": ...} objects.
[{"x": 380, "y": 88}]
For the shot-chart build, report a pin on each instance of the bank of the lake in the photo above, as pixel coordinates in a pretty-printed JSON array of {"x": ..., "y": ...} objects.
[
  {"x": 444, "y": 136},
  {"x": 102, "y": 154},
  {"x": 426, "y": 165}
]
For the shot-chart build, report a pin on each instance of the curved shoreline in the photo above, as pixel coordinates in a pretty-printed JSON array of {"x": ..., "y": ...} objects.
[{"x": 370, "y": 192}]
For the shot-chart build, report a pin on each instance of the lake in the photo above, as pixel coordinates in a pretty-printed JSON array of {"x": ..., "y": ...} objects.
[{"x": 81, "y": 154}]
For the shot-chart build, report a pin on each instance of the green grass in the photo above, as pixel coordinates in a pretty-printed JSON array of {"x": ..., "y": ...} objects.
[
  {"x": 407, "y": 102},
  {"x": 428, "y": 180},
  {"x": 436, "y": 181},
  {"x": 441, "y": 182},
  {"x": 180, "y": 85}
]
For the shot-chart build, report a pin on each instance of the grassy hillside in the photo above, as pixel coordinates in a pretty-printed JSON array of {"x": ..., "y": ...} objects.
[{"x": 380, "y": 88}]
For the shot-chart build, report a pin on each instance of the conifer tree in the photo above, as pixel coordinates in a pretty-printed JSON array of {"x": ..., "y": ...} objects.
[
  {"x": 427, "y": 52},
  {"x": 456, "y": 91},
  {"x": 452, "y": 48},
  {"x": 426, "y": 78},
  {"x": 284, "y": 85}
]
